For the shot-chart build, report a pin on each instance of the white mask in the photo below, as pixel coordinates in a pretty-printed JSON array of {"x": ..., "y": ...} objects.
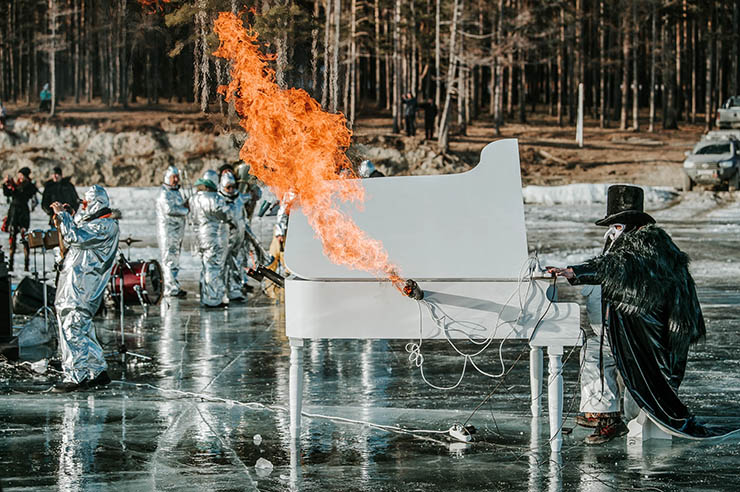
[{"x": 614, "y": 232}]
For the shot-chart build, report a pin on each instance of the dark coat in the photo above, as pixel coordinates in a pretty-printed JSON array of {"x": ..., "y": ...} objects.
[
  {"x": 651, "y": 315},
  {"x": 19, "y": 194},
  {"x": 62, "y": 192},
  {"x": 409, "y": 106}
]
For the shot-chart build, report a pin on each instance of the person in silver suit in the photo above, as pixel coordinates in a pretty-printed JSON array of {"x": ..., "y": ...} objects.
[
  {"x": 210, "y": 216},
  {"x": 172, "y": 211},
  {"x": 235, "y": 253},
  {"x": 92, "y": 245}
]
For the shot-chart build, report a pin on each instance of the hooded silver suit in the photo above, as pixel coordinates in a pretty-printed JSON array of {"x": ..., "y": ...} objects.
[
  {"x": 92, "y": 247},
  {"x": 171, "y": 216},
  {"x": 235, "y": 252},
  {"x": 210, "y": 212}
]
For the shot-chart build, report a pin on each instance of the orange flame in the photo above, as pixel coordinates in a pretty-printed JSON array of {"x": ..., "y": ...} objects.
[
  {"x": 294, "y": 146},
  {"x": 153, "y": 4}
]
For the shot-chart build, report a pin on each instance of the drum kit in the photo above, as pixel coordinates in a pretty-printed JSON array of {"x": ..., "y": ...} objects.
[{"x": 140, "y": 281}]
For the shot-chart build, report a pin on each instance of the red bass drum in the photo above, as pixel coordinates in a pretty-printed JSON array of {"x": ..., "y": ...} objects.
[{"x": 142, "y": 281}]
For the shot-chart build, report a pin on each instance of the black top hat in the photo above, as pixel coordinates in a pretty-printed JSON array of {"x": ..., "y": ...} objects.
[
  {"x": 25, "y": 171},
  {"x": 624, "y": 205}
]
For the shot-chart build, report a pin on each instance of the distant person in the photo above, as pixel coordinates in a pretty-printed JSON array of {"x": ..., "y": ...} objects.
[
  {"x": 409, "y": 113},
  {"x": 210, "y": 212},
  {"x": 430, "y": 112},
  {"x": 249, "y": 187},
  {"x": 172, "y": 212},
  {"x": 367, "y": 170},
  {"x": 234, "y": 274},
  {"x": 59, "y": 189},
  {"x": 3, "y": 116},
  {"x": 19, "y": 192},
  {"x": 45, "y": 97}
]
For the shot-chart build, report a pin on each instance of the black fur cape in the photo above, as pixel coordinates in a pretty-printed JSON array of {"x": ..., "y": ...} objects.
[{"x": 644, "y": 272}]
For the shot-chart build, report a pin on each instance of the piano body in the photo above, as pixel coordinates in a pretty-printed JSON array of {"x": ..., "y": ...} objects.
[{"x": 462, "y": 237}]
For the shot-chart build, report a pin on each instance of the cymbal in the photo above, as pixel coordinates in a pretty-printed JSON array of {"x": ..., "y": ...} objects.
[{"x": 129, "y": 241}]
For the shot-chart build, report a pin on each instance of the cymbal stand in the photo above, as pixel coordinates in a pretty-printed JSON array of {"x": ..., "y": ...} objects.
[
  {"x": 45, "y": 308},
  {"x": 123, "y": 350}
]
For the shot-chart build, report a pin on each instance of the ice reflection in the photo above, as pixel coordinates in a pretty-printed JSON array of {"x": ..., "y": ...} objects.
[
  {"x": 535, "y": 474},
  {"x": 82, "y": 426}
]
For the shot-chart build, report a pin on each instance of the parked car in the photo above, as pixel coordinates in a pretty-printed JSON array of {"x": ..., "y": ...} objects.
[
  {"x": 728, "y": 116},
  {"x": 713, "y": 162}
]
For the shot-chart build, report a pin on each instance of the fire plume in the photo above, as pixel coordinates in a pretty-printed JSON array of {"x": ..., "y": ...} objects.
[{"x": 294, "y": 146}]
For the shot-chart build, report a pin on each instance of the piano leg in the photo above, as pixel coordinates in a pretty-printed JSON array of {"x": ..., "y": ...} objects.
[
  {"x": 535, "y": 379},
  {"x": 555, "y": 397},
  {"x": 296, "y": 386}
]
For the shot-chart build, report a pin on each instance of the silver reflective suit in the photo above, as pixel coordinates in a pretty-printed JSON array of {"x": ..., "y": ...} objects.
[
  {"x": 210, "y": 211},
  {"x": 92, "y": 247},
  {"x": 171, "y": 216},
  {"x": 235, "y": 252}
]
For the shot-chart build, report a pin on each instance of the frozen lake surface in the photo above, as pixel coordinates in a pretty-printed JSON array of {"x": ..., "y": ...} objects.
[{"x": 210, "y": 405}]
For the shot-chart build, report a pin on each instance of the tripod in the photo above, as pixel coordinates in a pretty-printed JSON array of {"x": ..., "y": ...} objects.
[
  {"x": 45, "y": 308},
  {"x": 122, "y": 349}
]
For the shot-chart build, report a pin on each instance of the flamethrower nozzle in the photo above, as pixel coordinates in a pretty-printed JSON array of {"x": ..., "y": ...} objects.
[
  {"x": 261, "y": 272},
  {"x": 412, "y": 290}
]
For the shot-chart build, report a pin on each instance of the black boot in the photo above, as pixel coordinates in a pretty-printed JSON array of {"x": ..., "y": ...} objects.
[{"x": 69, "y": 386}]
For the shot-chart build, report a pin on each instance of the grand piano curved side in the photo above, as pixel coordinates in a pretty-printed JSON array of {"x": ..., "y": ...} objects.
[{"x": 462, "y": 237}]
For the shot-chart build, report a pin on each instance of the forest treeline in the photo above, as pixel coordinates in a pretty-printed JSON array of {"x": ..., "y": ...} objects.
[{"x": 677, "y": 59}]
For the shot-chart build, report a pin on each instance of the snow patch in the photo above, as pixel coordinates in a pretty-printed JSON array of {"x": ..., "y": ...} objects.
[{"x": 580, "y": 193}]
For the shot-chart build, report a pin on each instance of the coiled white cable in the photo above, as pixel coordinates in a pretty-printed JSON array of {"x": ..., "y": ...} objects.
[{"x": 444, "y": 321}]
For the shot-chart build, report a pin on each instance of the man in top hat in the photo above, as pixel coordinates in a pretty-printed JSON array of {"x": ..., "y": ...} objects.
[{"x": 650, "y": 312}]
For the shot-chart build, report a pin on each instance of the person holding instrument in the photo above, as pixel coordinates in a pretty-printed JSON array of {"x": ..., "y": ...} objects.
[
  {"x": 92, "y": 246},
  {"x": 19, "y": 191}
]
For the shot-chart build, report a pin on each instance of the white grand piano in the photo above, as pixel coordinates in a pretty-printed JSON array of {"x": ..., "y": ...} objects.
[{"x": 462, "y": 237}]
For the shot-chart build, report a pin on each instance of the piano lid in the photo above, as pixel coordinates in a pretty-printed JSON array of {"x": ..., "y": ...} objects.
[{"x": 454, "y": 226}]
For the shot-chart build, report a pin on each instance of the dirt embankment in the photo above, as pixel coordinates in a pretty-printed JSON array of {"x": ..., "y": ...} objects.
[
  {"x": 115, "y": 152},
  {"x": 132, "y": 148}
]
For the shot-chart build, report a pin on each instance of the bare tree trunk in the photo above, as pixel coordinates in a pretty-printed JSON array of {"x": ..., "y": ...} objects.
[
  {"x": 561, "y": 67},
  {"x": 443, "y": 131},
  {"x": 498, "y": 60},
  {"x": 694, "y": 85},
  {"x": 521, "y": 89},
  {"x": 76, "y": 31},
  {"x": 314, "y": 49},
  {"x": 635, "y": 75},
  {"x": 653, "y": 61},
  {"x": 734, "y": 89},
  {"x": 335, "y": 57},
  {"x": 578, "y": 52},
  {"x": 52, "y": 54},
  {"x": 602, "y": 65},
  {"x": 353, "y": 63},
  {"x": 396, "y": 68},
  {"x": 414, "y": 67},
  {"x": 626, "y": 38},
  {"x": 709, "y": 65},
  {"x": 376, "y": 12},
  {"x": 204, "y": 69},
  {"x": 437, "y": 61},
  {"x": 327, "y": 65}
]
